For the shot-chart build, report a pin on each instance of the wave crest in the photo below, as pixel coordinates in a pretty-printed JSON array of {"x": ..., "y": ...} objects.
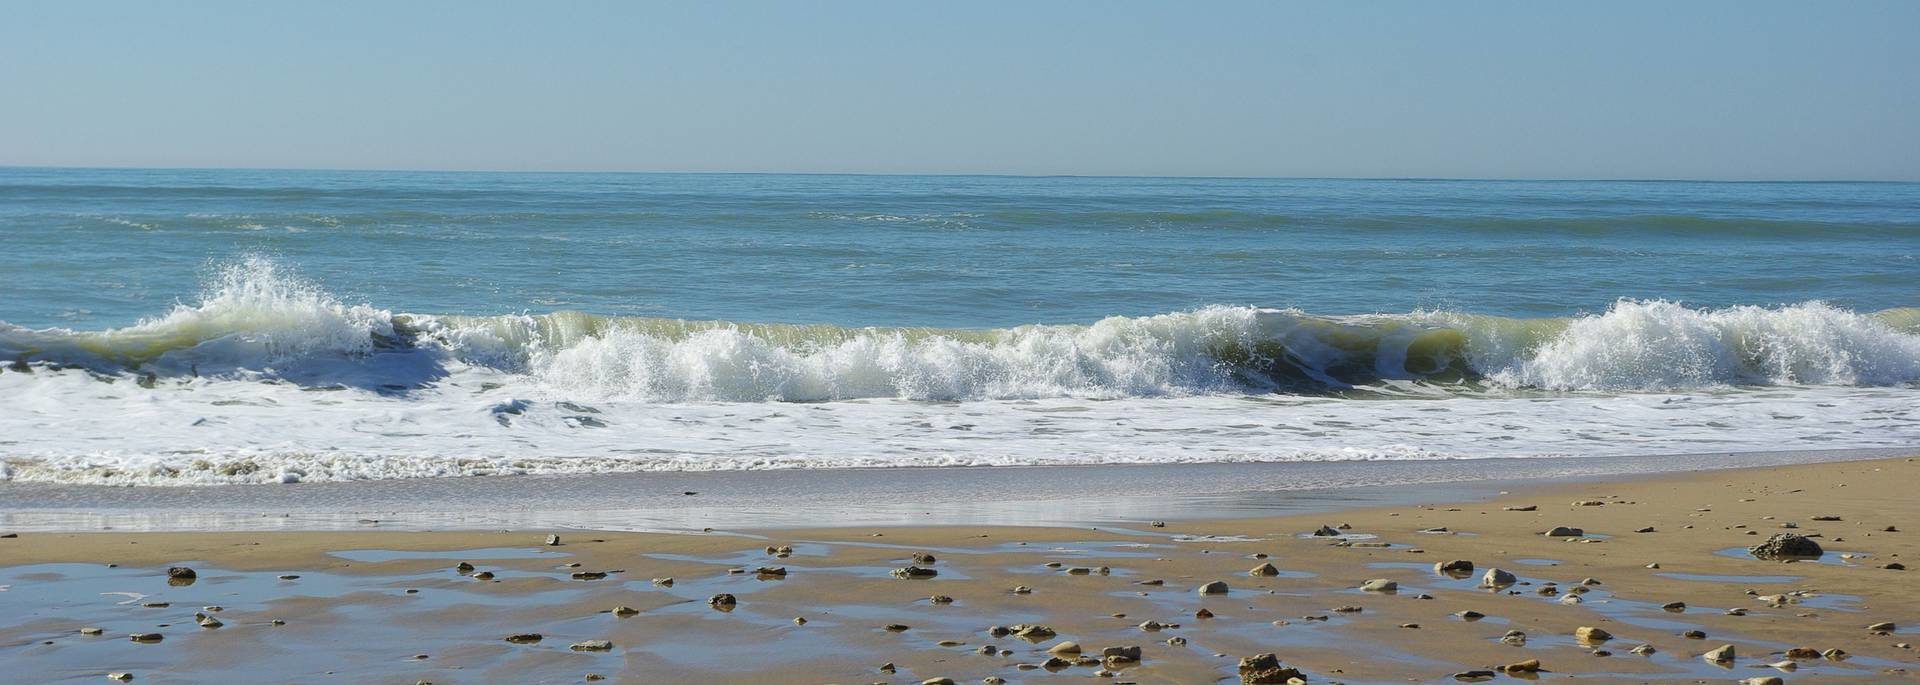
[{"x": 255, "y": 320}]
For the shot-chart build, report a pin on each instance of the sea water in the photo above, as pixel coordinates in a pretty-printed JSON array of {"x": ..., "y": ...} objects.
[{"x": 171, "y": 327}]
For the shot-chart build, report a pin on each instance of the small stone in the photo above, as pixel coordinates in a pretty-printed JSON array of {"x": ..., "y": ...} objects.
[
  {"x": 799, "y": 620},
  {"x": 1514, "y": 637},
  {"x": 1380, "y": 585},
  {"x": 1266, "y": 669},
  {"x": 1763, "y": 680},
  {"x": 1033, "y": 633},
  {"x": 1835, "y": 654},
  {"x": 940, "y": 599},
  {"x": 1722, "y": 654},
  {"x": 206, "y": 621},
  {"x": 1474, "y": 676},
  {"x": 1458, "y": 568},
  {"x": 1264, "y": 570},
  {"x": 1022, "y": 590},
  {"x": 524, "y": 638},
  {"x": 914, "y": 572},
  {"x": 624, "y": 611},
  {"x": 1589, "y": 503},
  {"x": 1470, "y": 615},
  {"x": 483, "y": 575},
  {"x": 1520, "y": 507},
  {"x": 120, "y": 676},
  {"x": 1675, "y": 607},
  {"x": 770, "y": 572},
  {"x": 663, "y": 582},
  {"x": 146, "y": 637},
  {"x": 1895, "y": 566},
  {"x": 1203, "y": 614},
  {"x": 1590, "y": 634},
  {"x": 1786, "y": 546},
  {"x": 722, "y": 601},
  {"x": 1065, "y": 647},
  {"x": 1496, "y": 578},
  {"x": 463, "y": 567},
  {"x": 1326, "y": 532},
  {"x": 1694, "y": 635},
  {"x": 1643, "y": 650},
  {"x": 1528, "y": 666},
  {"x": 91, "y": 631},
  {"x": 181, "y": 573},
  {"x": 553, "y": 541},
  {"x": 1828, "y": 517},
  {"x": 588, "y": 575},
  {"x": 1647, "y": 529},
  {"x": 1565, "y": 532},
  {"x": 591, "y": 646},
  {"x": 1217, "y": 587}
]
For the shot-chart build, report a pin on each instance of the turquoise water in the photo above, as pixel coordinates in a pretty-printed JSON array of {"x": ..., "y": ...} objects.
[
  {"x": 90, "y": 249},
  {"x": 167, "y": 327}
]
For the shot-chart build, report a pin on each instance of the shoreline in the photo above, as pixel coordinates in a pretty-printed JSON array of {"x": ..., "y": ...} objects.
[
  {"x": 1076, "y": 495},
  {"x": 365, "y": 603}
]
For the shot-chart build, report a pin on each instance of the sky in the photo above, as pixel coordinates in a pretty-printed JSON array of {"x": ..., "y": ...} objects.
[{"x": 1748, "y": 89}]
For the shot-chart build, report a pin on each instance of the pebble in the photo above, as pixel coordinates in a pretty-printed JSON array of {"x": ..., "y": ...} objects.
[
  {"x": 1514, "y": 637},
  {"x": 624, "y": 611},
  {"x": 1643, "y": 650},
  {"x": 1264, "y": 570},
  {"x": 1380, "y": 585},
  {"x": 914, "y": 572},
  {"x": 722, "y": 601},
  {"x": 1521, "y": 507},
  {"x": 1218, "y": 587},
  {"x": 553, "y": 541},
  {"x": 1565, "y": 532},
  {"x": 1496, "y": 578},
  {"x": 120, "y": 676},
  {"x": 1528, "y": 666},
  {"x": 1591, "y": 634},
  {"x": 591, "y": 646},
  {"x": 524, "y": 638},
  {"x": 146, "y": 637},
  {"x": 1722, "y": 654},
  {"x": 91, "y": 631},
  {"x": 1457, "y": 567}
]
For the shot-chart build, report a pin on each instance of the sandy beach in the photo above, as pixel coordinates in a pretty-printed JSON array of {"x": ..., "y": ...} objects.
[{"x": 830, "y": 605}]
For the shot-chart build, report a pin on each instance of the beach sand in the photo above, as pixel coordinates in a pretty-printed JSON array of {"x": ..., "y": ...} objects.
[{"x": 380, "y": 606}]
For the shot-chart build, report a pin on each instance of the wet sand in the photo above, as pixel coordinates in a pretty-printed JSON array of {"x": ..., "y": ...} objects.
[{"x": 390, "y": 606}]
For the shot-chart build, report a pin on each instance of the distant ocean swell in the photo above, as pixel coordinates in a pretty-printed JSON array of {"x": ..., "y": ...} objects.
[{"x": 256, "y": 322}]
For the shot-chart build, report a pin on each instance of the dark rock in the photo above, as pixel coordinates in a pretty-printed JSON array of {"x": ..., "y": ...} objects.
[{"x": 1787, "y": 546}]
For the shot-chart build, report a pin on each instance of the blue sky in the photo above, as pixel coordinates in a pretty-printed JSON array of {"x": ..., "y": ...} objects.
[{"x": 1722, "y": 90}]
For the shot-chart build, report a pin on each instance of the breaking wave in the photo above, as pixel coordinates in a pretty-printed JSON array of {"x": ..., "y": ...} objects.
[{"x": 256, "y": 322}]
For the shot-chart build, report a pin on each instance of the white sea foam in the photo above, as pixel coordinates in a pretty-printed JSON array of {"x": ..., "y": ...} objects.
[{"x": 268, "y": 378}]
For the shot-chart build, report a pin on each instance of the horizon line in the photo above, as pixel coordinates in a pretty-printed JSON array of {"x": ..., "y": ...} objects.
[{"x": 956, "y": 174}]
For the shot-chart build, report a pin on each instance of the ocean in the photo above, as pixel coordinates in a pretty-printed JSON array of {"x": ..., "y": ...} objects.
[{"x": 194, "y": 327}]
